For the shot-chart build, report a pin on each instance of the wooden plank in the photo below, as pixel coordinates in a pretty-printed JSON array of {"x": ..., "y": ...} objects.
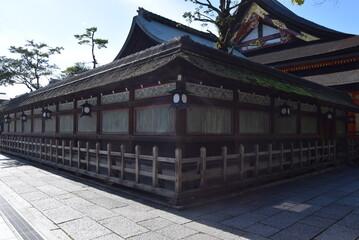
[
  {"x": 270, "y": 158},
  {"x": 224, "y": 169},
  {"x": 178, "y": 170},
  {"x": 154, "y": 166},
  {"x": 203, "y": 152},
  {"x": 109, "y": 160},
  {"x": 137, "y": 163},
  {"x": 241, "y": 162},
  {"x": 256, "y": 159},
  {"x": 122, "y": 147},
  {"x": 97, "y": 157}
]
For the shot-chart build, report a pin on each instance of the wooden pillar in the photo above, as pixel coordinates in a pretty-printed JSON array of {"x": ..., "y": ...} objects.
[
  {"x": 137, "y": 163},
  {"x": 122, "y": 149},
  {"x": 203, "y": 153},
  {"x": 109, "y": 160}
]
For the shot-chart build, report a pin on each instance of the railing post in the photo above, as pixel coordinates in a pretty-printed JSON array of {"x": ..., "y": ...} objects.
[
  {"x": 291, "y": 155},
  {"x": 323, "y": 151},
  {"x": 109, "y": 160},
  {"x": 281, "y": 156},
  {"x": 97, "y": 158},
  {"x": 309, "y": 154},
  {"x": 270, "y": 158},
  {"x": 137, "y": 162},
  {"x": 203, "y": 153},
  {"x": 70, "y": 152},
  {"x": 122, "y": 148},
  {"x": 57, "y": 151},
  {"x": 241, "y": 161},
  {"x": 224, "y": 155},
  {"x": 63, "y": 152},
  {"x": 87, "y": 157},
  {"x": 78, "y": 154},
  {"x": 45, "y": 148},
  {"x": 335, "y": 152},
  {"x": 256, "y": 160},
  {"x": 50, "y": 150},
  {"x": 301, "y": 154},
  {"x": 316, "y": 153},
  {"x": 155, "y": 167},
  {"x": 178, "y": 170},
  {"x": 329, "y": 151}
]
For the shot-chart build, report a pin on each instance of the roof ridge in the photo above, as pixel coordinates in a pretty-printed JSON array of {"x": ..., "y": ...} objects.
[{"x": 150, "y": 15}]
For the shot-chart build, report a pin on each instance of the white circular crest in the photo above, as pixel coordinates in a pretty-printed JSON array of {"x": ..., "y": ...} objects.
[
  {"x": 176, "y": 98},
  {"x": 86, "y": 110},
  {"x": 184, "y": 98}
]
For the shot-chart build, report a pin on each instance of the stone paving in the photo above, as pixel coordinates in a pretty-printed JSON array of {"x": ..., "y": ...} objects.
[{"x": 60, "y": 207}]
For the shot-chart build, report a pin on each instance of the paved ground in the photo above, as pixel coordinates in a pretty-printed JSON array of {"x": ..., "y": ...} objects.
[{"x": 57, "y": 207}]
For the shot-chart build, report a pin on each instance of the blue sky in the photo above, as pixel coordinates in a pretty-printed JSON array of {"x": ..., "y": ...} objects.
[{"x": 54, "y": 22}]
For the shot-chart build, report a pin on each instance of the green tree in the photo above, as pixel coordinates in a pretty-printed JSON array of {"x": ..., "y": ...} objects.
[
  {"x": 222, "y": 17},
  {"x": 88, "y": 38},
  {"x": 30, "y": 68},
  {"x": 78, "y": 68}
]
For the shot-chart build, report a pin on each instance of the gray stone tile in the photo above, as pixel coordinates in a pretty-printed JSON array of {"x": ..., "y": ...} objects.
[
  {"x": 216, "y": 216},
  {"x": 149, "y": 236},
  {"x": 51, "y": 190},
  {"x": 334, "y": 210},
  {"x": 62, "y": 214},
  {"x": 321, "y": 201},
  {"x": 283, "y": 219},
  {"x": 134, "y": 214},
  {"x": 262, "y": 230},
  {"x": 305, "y": 209},
  {"x": 267, "y": 210},
  {"x": 339, "y": 232},
  {"x": 298, "y": 231},
  {"x": 238, "y": 209},
  {"x": 60, "y": 235},
  {"x": 244, "y": 220},
  {"x": 45, "y": 204},
  {"x": 348, "y": 200},
  {"x": 318, "y": 221},
  {"x": 24, "y": 188},
  {"x": 351, "y": 221},
  {"x": 108, "y": 203},
  {"x": 123, "y": 227},
  {"x": 96, "y": 212},
  {"x": 111, "y": 236},
  {"x": 176, "y": 231},
  {"x": 84, "y": 229},
  {"x": 251, "y": 236},
  {"x": 155, "y": 223},
  {"x": 170, "y": 216},
  {"x": 32, "y": 196},
  {"x": 87, "y": 194},
  {"x": 77, "y": 202},
  {"x": 201, "y": 236},
  {"x": 215, "y": 229}
]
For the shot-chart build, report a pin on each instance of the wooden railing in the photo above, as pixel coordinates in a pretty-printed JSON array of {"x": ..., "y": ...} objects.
[
  {"x": 175, "y": 178},
  {"x": 353, "y": 150}
]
